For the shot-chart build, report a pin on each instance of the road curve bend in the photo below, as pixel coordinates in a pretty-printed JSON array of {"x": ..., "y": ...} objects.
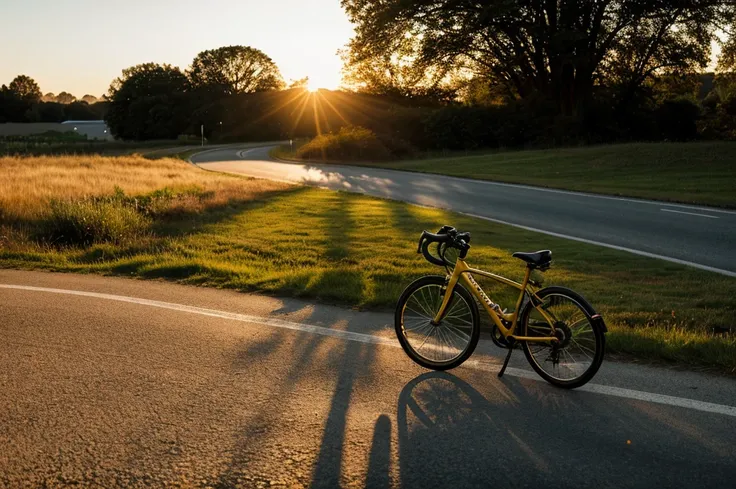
[{"x": 701, "y": 237}]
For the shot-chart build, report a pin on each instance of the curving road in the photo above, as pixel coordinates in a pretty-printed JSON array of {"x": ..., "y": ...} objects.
[
  {"x": 110, "y": 382},
  {"x": 696, "y": 236}
]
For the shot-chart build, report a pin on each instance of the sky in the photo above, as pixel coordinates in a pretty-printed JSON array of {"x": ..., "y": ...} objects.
[{"x": 80, "y": 46}]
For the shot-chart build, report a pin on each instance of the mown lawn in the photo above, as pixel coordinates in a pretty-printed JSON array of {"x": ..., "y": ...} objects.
[
  {"x": 253, "y": 235},
  {"x": 696, "y": 173}
]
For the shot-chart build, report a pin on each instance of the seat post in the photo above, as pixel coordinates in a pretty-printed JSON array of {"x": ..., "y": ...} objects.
[
  {"x": 524, "y": 284},
  {"x": 527, "y": 275}
]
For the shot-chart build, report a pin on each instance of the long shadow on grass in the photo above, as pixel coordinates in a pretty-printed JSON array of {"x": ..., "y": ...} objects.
[
  {"x": 338, "y": 224},
  {"x": 189, "y": 222}
]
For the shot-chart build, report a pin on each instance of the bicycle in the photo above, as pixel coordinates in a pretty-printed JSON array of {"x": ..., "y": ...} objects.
[{"x": 437, "y": 319}]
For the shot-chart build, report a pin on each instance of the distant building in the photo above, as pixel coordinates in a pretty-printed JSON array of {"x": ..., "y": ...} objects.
[{"x": 91, "y": 129}]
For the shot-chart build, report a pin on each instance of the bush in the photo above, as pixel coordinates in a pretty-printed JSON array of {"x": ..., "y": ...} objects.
[
  {"x": 459, "y": 127},
  {"x": 90, "y": 221},
  {"x": 349, "y": 144},
  {"x": 677, "y": 120}
]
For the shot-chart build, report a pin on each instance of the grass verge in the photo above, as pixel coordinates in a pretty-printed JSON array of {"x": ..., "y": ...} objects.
[
  {"x": 695, "y": 173},
  {"x": 71, "y": 143},
  {"x": 253, "y": 235}
]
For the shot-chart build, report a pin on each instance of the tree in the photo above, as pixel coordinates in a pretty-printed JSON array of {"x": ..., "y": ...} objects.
[
  {"x": 65, "y": 98},
  {"x": 46, "y": 112},
  {"x": 149, "y": 101},
  {"x": 671, "y": 87},
  {"x": 300, "y": 83},
  {"x": 481, "y": 91},
  {"x": 561, "y": 49},
  {"x": 90, "y": 99},
  {"x": 395, "y": 75},
  {"x": 79, "y": 111},
  {"x": 12, "y": 107},
  {"x": 49, "y": 97},
  {"x": 235, "y": 69},
  {"x": 727, "y": 40},
  {"x": 25, "y": 88}
]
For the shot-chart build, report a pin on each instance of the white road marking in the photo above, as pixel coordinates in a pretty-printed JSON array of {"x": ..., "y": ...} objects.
[
  {"x": 378, "y": 340},
  {"x": 243, "y": 153},
  {"x": 606, "y": 245},
  {"x": 688, "y": 213},
  {"x": 224, "y": 148}
]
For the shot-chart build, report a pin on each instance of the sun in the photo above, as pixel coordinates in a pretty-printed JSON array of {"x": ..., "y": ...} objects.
[
  {"x": 323, "y": 80},
  {"x": 312, "y": 85}
]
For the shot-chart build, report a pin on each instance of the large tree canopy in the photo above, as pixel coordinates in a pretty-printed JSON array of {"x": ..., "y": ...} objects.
[
  {"x": 235, "y": 69},
  {"x": 727, "y": 38},
  {"x": 65, "y": 98},
  {"x": 560, "y": 48},
  {"x": 25, "y": 88},
  {"x": 391, "y": 74},
  {"x": 148, "y": 102}
]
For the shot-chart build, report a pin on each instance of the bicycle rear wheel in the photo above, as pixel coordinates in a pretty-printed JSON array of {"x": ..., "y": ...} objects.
[
  {"x": 437, "y": 346},
  {"x": 578, "y": 354}
]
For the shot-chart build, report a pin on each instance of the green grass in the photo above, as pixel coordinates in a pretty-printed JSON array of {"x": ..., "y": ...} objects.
[
  {"x": 697, "y": 173},
  {"x": 58, "y": 143},
  {"x": 361, "y": 251}
]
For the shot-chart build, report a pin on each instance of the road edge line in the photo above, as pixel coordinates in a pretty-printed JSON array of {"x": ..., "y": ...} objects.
[
  {"x": 605, "y": 245},
  {"x": 372, "y": 339}
]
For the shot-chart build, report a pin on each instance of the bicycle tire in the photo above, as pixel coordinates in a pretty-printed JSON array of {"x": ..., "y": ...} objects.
[
  {"x": 598, "y": 334},
  {"x": 435, "y": 286}
]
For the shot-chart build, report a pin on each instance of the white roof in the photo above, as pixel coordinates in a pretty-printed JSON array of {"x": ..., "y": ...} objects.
[{"x": 83, "y": 122}]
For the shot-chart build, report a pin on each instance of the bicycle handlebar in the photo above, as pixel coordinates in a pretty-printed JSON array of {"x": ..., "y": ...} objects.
[{"x": 448, "y": 235}]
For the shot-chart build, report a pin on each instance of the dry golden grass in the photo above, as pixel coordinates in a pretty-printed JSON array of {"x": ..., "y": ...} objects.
[{"x": 27, "y": 184}]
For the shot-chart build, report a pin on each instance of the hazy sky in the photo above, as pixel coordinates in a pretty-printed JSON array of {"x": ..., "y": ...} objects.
[{"x": 79, "y": 46}]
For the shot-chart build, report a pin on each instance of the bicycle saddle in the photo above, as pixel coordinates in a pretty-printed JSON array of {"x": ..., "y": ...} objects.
[{"x": 538, "y": 259}]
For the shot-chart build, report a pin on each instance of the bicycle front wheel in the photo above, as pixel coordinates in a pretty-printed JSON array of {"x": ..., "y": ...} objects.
[
  {"x": 439, "y": 346},
  {"x": 577, "y": 356}
]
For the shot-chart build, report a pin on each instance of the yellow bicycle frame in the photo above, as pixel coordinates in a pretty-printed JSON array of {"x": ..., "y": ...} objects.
[{"x": 464, "y": 272}]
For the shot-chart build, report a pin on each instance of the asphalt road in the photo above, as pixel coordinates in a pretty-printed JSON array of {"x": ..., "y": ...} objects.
[
  {"x": 126, "y": 383},
  {"x": 698, "y": 236}
]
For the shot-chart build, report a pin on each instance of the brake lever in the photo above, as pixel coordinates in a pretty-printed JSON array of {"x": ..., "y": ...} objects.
[{"x": 421, "y": 241}]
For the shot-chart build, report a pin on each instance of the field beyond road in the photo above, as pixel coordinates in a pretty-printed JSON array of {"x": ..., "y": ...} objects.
[
  {"x": 693, "y": 173},
  {"x": 167, "y": 219}
]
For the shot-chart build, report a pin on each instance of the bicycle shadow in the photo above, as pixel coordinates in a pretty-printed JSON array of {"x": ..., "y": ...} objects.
[
  {"x": 530, "y": 434},
  {"x": 447, "y": 432}
]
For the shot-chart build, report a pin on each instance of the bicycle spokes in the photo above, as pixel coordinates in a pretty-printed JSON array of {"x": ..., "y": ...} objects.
[
  {"x": 438, "y": 342},
  {"x": 575, "y": 349}
]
